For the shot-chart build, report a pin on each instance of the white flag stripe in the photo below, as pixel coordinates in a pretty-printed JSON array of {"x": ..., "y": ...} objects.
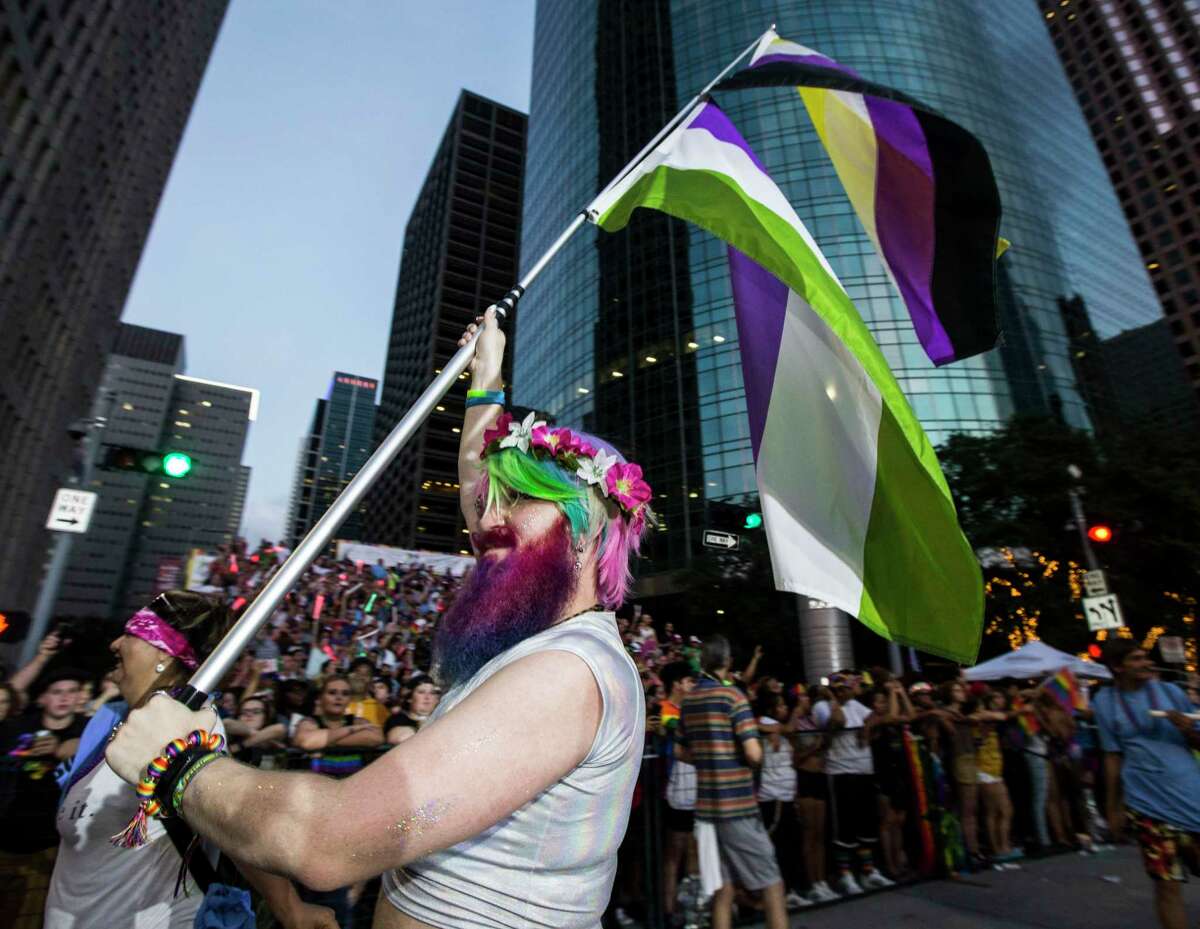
[
  {"x": 816, "y": 466},
  {"x": 688, "y": 149}
]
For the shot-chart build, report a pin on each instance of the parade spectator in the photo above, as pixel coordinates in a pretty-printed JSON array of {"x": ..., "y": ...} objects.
[
  {"x": 362, "y": 701},
  {"x": 964, "y": 764},
  {"x": 777, "y": 789},
  {"x": 996, "y": 804},
  {"x": 719, "y": 735},
  {"x": 849, "y": 763},
  {"x": 677, "y": 681},
  {"x": 812, "y": 792},
  {"x": 160, "y": 646},
  {"x": 32, "y": 744},
  {"x": 10, "y": 703},
  {"x": 422, "y": 700},
  {"x": 891, "y": 712},
  {"x": 1152, "y": 775}
]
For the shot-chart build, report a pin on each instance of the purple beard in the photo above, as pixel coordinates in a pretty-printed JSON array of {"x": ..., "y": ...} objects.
[{"x": 503, "y": 602}]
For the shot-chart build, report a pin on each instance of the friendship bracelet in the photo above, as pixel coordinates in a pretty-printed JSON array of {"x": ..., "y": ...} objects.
[
  {"x": 485, "y": 398},
  {"x": 186, "y": 778},
  {"x": 165, "y": 785},
  {"x": 135, "y": 834}
]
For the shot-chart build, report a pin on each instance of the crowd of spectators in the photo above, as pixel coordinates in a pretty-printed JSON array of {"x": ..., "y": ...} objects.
[{"x": 865, "y": 778}]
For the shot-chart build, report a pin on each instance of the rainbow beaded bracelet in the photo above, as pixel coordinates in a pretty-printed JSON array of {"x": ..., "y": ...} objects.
[{"x": 134, "y": 835}]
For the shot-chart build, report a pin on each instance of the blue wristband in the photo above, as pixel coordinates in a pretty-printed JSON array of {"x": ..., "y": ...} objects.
[{"x": 485, "y": 398}]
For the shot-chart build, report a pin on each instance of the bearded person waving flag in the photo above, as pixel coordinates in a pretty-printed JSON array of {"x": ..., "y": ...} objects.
[{"x": 508, "y": 806}]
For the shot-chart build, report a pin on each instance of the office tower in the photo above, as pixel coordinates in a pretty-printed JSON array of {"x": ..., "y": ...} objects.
[
  {"x": 1132, "y": 382},
  {"x": 94, "y": 98},
  {"x": 145, "y": 525},
  {"x": 1135, "y": 68},
  {"x": 460, "y": 255},
  {"x": 135, "y": 399},
  {"x": 208, "y": 421},
  {"x": 335, "y": 447}
]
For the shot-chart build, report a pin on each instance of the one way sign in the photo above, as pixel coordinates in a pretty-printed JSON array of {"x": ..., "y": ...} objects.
[
  {"x": 725, "y": 540},
  {"x": 72, "y": 510}
]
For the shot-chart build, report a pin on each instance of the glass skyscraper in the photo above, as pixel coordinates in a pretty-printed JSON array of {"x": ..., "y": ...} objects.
[{"x": 633, "y": 335}]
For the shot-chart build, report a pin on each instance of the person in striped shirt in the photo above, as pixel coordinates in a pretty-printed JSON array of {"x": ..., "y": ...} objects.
[{"x": 718, "y": 734}]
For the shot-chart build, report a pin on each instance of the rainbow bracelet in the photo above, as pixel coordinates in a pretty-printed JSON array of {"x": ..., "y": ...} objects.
[
  {"x": 186, "y": 778},
  {"x": 134, "y": 835}
]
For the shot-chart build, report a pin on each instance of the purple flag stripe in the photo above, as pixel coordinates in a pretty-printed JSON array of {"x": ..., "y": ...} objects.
[
  {"x": 904, "y": 217},
  {"x": 714, "y": 121},
  {"x": 761, "y": 301}
]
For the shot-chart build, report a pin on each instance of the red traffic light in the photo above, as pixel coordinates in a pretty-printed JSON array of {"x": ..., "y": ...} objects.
[
  {"x": 1094, "y": 651},
  {"x": 1100, "y": 533}
]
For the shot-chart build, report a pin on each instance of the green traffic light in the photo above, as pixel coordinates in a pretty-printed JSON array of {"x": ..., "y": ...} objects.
[
  {"x": 176, "y": 464},
  {"x": 753, "y": 520}
]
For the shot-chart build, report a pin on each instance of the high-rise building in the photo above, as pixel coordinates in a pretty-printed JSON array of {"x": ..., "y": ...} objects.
[
  {"x": 208, "y": 421},
  {"x": 460, "y": 255},
  {"x": 145, "y": 525},
  {"x": 1135, "y": 67},
  {"x": 335, "y": 447},
  {"x": 1132, "y": 382},
  {"x": 94, "y": 98},
  {"x": 633, "y": 335},
  {"x": 135, "y": 400}
]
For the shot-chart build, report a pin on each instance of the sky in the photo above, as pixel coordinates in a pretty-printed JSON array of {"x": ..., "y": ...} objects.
[{"x": 277, "y": 243}]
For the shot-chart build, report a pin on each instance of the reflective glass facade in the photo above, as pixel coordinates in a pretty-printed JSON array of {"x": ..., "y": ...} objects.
[{"x": 633, "y": 334}]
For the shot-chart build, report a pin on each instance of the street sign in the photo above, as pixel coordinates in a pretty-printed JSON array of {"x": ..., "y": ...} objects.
[
  {"x": 71, "y": 511},
  {"x": 1171, "y": 649},
  {"x": 1095, "y": 584},
  {"x": 1103, "y": 612},
  {"x": 725, "y": 540}
]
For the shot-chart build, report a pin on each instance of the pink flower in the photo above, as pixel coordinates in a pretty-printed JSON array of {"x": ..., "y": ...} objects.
[
  {"x": 554, "y": 441},
  {"x": 626, "y": 486},
  {"x": 638, "y": 522},
  {"x": 498, "y": 431}
]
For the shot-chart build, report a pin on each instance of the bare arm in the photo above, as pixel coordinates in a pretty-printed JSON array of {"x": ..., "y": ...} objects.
[
  {"x": 753, "y": 750},
  {"x": 312, "y": 738},
  {"x": 1112, "y": 780},
  {"x": 417, "y": 799},
  {"x": 485, "y": 375},
  {"x": 23, "y": 678}
]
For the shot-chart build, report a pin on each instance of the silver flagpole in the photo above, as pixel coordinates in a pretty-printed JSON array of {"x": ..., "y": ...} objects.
[{"x": 223, "y": 657}]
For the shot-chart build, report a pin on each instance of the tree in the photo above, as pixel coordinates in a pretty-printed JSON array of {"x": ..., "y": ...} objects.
[{"x": 1011, "y": 489}]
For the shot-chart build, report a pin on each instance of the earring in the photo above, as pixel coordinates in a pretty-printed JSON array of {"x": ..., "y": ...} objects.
[
  {"x": 160, "y": 667},
  {"x": 578, "y": 559}
]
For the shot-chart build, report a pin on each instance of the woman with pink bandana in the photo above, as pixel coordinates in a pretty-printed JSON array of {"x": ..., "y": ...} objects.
[
  {"x": 97, "y": 884},
  {"x": 491, "y": 815}
]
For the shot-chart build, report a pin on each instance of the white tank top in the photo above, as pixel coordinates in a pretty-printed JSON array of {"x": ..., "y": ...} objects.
[{"x": 552, "y": 862}]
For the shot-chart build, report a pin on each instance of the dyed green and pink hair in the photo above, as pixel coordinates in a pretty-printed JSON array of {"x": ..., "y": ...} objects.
[{"x": 508, "y": 472}]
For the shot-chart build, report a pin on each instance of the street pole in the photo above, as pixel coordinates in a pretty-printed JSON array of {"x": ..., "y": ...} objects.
[
  {"x": 1075, "y": 493},
  {"x": 64, "y": 541},
  {"x": 223, "y": 657}
]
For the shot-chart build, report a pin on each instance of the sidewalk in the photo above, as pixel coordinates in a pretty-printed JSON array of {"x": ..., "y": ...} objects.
[{"x": 1063, "y": 892}]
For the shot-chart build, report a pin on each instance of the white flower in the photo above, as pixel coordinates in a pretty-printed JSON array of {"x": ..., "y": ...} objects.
[
  {"x": 595, "y": 470},
  {"x": 520, "y": 433}
]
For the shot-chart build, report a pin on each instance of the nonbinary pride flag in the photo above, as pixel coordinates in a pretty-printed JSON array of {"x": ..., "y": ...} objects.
[
  {"x": 922, "y": 186},
  {"x": 855, "y": 506}
]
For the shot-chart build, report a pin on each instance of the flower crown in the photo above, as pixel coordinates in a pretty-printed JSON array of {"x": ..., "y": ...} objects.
[{"x": 621, "y": 483}]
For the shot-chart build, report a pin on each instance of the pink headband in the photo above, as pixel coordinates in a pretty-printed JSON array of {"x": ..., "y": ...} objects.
[{"x": 150, "y": 627}]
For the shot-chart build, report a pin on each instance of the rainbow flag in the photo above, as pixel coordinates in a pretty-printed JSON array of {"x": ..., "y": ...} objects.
[
  {"x": 922, "y": 186},
  {"x": 1064, "y": 688}
]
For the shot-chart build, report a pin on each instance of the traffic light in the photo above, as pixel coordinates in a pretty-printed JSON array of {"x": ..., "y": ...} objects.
[
  {"x": 753, "y": 521},
  {"x": 1093, "y": 651},
  {"x": 168, "y": 463},
  {"x": 1100, "y": 533}
]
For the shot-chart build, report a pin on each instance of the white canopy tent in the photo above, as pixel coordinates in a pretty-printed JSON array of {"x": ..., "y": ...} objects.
[{"x": 1035, "y": 659}]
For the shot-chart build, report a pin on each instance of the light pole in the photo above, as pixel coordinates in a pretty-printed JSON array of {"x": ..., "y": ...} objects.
[
  {"x": 63, "y": 541},
  {"x": 1075, "y": 492}
]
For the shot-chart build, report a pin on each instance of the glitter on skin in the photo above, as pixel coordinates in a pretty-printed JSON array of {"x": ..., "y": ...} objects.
[{"x": 423, "y": 816}]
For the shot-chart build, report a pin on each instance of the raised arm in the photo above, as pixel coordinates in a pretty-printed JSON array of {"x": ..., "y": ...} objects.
[
  {"x": 418, "y": 798},
  {"x": 485, "y": 375}
]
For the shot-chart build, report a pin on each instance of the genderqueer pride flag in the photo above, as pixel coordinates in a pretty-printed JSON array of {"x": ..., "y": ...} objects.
[
  {"x": 855, "y": 506},
  {"x": 922, "y": 186}
]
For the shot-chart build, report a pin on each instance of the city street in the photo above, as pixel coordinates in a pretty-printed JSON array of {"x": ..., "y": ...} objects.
[{"x": 1064, "y": 892}]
